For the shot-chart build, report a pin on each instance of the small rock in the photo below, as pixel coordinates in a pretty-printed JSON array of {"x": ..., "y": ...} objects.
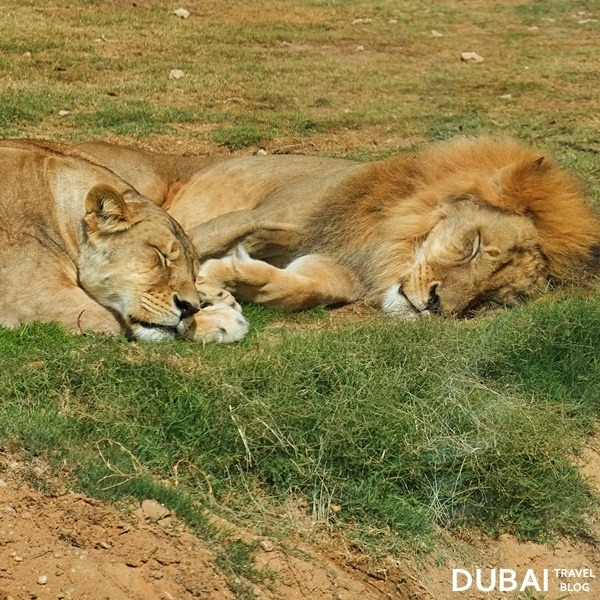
[
  {"x": 154, "y": 511},
  {"x": 362, "y": 21},
  {"x": 64, "y": 113},
  {"x": 261, "y": 152},
  {"x": 176, "y": 74},
  {"x": 42, "y": 580},
  {"x": 18, "y": 558},
  {"x": 506, "y": 97},
  {"x": 105, "y": 545},
  {"x": 267, "y": 545},
  {"x": 2, "y": 483},
  {"x": 436, "y": 34},
  {"x": 360, "y": 48},
  {"x": 471, "y": 57},
  {"x": 27, "y": 54},
  {"x": 392, "y": 21},
  {"x": 285, "y": 44},
  {"x": 182, "y": 13}
]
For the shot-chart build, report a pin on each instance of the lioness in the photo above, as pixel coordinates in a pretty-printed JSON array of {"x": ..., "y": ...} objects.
[
  {"x": 83, "y": 248},
  {"x": 455, "y": 229}
]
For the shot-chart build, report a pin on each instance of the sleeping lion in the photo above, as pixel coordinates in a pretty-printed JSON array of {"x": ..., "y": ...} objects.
[
  {"x": 456, "y": 229},
  {"x": 82, "y": 248}
]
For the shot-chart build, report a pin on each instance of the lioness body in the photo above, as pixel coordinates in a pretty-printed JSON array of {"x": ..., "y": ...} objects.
[
  {"x": 454, "y": 229},
  {"x": 81, "y": 247}
]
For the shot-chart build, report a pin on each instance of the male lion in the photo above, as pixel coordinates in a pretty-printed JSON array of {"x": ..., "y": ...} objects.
[
  {"x": 82, "y": 248},
  {"x": 455, "y": 229}
]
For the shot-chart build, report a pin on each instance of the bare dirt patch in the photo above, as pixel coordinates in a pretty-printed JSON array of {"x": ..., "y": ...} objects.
[
  {"x": 65, "y": 545},
  {"x": 62, "y": 545}
]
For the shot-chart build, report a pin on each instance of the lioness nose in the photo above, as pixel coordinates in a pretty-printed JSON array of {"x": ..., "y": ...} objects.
[{"x": 187, "y": 309}]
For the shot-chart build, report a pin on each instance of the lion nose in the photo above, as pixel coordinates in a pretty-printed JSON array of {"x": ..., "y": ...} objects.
[
  {"x": 186, "y": 309},
  {"x": 433, "y": 301}
]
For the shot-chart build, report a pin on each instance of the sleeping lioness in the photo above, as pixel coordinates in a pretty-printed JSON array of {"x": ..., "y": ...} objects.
[
  {"x": 82, "y": 248},
  {"x": 456, "y": 229}
]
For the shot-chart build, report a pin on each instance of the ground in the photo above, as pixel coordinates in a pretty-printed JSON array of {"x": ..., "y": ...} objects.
[{"x": 62, "y": 545}]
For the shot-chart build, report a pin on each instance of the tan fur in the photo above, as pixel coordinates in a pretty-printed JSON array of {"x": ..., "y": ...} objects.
[
  {"x": 455, "y": 229},
  {"x": 81, "y": 247}
]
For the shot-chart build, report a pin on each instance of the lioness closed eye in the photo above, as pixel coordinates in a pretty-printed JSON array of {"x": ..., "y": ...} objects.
[
  {"x": 456, "y": 229},
  {"x": 81, "y": 247}
]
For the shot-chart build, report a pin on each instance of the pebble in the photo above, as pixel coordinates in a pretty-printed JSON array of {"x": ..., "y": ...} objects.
[
  {"x": 471, "y": 57},
  {"x": 436, "y": 34},
  {"x": 42, "y": 580},
  {"x": 176, "y": 74},
  {"x": 267, "y": 545},
  {"x": 182, "y": 13},
  {"x": 153, "y": 510}
]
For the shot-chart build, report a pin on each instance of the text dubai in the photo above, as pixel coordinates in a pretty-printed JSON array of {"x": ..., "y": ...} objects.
[{"x": 508, "y": 580}]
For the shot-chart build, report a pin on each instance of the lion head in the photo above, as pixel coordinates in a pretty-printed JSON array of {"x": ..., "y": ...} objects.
[
  {"x": 137, "y": 262},
  {"x": 462, "y": 227},
  {"x": 475, "y": 257}
]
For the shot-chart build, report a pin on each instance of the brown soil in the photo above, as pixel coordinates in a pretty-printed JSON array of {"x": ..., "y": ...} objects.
[{"x": 62, "y": 545}]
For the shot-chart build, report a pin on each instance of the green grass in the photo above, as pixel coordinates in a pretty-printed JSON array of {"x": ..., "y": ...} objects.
[{"x": 402, "y": 425}]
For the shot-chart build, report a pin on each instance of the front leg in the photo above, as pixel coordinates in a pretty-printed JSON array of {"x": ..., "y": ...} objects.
[{"x": 306, "y": 282}]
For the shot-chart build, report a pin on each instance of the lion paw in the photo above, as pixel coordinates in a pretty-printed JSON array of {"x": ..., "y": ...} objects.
[
  {"x": 220, "y": 318},
  {"x": 234, "y": 268},
  {"x": 211, "y": 295}
]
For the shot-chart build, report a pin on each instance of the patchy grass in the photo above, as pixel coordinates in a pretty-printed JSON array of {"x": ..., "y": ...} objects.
[
  {"x": 382, "y": 425},
  {"x": 384, "y": 430}
]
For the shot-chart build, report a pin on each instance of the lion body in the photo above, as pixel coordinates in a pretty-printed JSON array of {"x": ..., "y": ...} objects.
[
  {"x": 457, "y": 228},
  {"x": 79, "y": 246}
]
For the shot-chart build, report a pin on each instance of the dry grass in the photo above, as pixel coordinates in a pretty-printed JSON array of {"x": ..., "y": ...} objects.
[{"x": 303, "y": 76}]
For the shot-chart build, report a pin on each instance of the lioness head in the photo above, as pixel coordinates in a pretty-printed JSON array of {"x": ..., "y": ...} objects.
[
  {"x": 137, "y": 262},
  {"x": 476, "y": 257}
]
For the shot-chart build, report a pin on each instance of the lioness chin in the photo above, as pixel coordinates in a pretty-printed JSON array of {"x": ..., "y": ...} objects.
[
  {"x": 455, "y": 229},
  {"x": 82, "y": 248}
]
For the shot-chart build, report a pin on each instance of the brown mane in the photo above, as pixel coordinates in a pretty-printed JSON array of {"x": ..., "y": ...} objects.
[{"x": 390, "y": 205}]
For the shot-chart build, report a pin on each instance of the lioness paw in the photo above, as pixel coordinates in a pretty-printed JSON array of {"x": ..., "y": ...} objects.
[
  {"x": 220, "y": 320},
  {"x": 211, "y": 295}
]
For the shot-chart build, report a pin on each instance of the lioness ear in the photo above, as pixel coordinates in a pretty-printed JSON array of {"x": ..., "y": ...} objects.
[{"x": 106, "y": 211}]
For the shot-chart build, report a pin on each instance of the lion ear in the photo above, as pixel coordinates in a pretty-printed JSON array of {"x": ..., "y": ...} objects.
[
  {"x": 106, "y": 211},
  {"x": 517, "y": 183}
]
